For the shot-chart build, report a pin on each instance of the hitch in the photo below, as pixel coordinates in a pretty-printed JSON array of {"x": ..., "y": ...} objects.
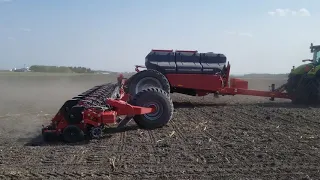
[{"x": 272, "y": 90}]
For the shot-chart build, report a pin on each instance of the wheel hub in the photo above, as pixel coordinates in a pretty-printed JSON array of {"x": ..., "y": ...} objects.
[
  {"x": 96, "y": 132},
  {"x": 158, "y": 110}
]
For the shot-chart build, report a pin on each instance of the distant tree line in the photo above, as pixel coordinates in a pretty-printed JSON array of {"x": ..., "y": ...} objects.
[{"x": 59, "y": 69}]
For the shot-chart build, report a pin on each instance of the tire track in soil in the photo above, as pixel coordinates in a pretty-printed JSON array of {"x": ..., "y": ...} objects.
[
  {"x": 168, "y": 146},
  {"x": 96, "y": 156},
  {"x": 153, "y": 144},
  {"x": 189, "y": 154},
  {"x": 122, "y": 145},
  {"x": 193, "y": 141},
  {"x": 140, "y": 151},
  {"x": 65, "y": 156},
  {"x": 61, "y": 156}
]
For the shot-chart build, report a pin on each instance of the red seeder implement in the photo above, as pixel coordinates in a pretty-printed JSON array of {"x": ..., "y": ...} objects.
[
  {"x": 90, "y": 112},
  {"x": 144, "y": 97}
]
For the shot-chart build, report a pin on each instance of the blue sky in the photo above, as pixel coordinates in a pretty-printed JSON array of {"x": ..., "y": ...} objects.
[{"x": 266, "y": 36}]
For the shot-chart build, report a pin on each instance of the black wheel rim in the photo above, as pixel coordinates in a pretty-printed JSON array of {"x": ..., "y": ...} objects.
[{"x": 146, "y": 83}]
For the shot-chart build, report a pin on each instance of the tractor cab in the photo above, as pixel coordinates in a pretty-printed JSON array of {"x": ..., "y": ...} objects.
[
  {"x": 316, "y": 53},
  {"x": 315, "y": 50}
]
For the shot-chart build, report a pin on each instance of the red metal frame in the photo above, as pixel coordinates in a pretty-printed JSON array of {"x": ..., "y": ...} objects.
[
  {"x": 205, "y": 84},
  {"x": 96, "y": 117},
  {"x": 240, "y": 91},
  {"x": 162, "y": 50}
]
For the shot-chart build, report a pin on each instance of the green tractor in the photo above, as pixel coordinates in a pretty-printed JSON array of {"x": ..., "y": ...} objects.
[{"x": 304, "y": 81}]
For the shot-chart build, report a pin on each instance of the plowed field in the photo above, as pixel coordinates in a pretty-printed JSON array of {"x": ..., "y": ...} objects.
[{"x": 238, "y": 137}]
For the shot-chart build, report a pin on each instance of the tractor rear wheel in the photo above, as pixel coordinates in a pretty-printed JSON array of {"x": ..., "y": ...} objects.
[
  {"x": 160, "y": 100},
  {"x": 292, "y": 82},
  {"x": 146, "y": 79},
  {"x": 308, "y": 91}
]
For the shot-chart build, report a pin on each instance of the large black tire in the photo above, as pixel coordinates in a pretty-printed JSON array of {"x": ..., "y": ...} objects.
[
  {"x": 146, "y": 79},
  {"x": 308, "y": 91},
  {"x": 153, "y": 97},
  {"x": 73, "y": 134},
  {"x": 292, "y": 83}
]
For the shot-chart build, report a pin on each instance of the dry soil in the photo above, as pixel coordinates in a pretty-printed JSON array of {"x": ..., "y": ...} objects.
[{"x": 238, "y": 137}]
